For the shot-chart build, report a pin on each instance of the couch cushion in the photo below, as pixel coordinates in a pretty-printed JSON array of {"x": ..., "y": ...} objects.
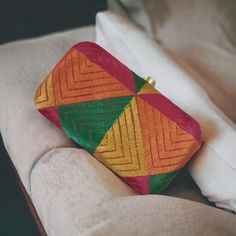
[
  {"x": 23, "y": 65},
  {"x": 67, "y": 184},
  {"x": 157, "y": 215},
  {"x": 76, "y": 195}
]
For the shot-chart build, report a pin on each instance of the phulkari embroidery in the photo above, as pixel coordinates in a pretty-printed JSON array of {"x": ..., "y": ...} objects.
[{"x": 118, "y": 117}]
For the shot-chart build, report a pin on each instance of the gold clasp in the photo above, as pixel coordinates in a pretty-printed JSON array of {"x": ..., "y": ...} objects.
[{"x": 150, "y": 80}]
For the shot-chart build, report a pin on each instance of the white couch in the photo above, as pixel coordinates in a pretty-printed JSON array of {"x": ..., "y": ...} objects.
[{"x": 72, "y": 192}]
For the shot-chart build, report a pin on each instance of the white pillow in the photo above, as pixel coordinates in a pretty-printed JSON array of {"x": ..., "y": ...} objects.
[
  {"x": 23, "y": 65},
  {"x": 214, "y": 168}
]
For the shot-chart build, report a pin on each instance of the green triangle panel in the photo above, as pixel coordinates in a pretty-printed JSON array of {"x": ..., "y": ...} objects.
[
  {"x": 139, "y": 82},
  {"x": 157, "y": 183},
  {"x": 87, "y": 123}
]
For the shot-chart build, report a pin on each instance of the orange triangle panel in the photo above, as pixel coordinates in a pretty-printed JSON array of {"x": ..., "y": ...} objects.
[
  {"x": 167, "y": 146},
  {"x": 76, "y": 79}
]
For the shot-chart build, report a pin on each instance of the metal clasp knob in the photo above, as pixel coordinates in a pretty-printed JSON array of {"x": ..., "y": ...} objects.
[{"x": 150, "y": 80}]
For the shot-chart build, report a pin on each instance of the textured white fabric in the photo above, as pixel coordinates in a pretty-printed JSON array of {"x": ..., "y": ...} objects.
[
  {"x": 76, "y": 195},
  {"x": 143, "y": 55},
  {"x": 158, "y": 215},
  {"x": 67, "y": 185},
  {"x": 23, "y": 65}
]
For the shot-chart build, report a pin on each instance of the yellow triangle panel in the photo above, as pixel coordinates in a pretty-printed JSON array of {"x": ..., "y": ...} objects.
[
  {"x": 44, "y": 96},
  {"x": 122, "y": 147}
]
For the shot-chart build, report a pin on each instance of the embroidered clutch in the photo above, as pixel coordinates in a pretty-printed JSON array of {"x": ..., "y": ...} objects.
[{"x": 118, "y": 117}]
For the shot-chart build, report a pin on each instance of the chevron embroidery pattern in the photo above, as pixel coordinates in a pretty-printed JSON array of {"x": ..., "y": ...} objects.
[{"x": 118, "y": 117}]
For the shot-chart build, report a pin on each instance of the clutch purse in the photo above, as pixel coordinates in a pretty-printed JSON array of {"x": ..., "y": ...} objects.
[{"x": 120, "y": 118}]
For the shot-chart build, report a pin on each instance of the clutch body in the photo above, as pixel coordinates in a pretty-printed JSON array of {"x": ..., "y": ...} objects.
[{"x": 118, "y": 117}]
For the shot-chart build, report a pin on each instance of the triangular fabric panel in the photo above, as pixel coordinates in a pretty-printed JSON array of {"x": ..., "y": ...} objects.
[
  {"x": 170, "y": 110},
  {"x": 108, "y": 62},
  {"x": 139, "y": 183},
  {"x": 44, "y": 95},
  {"x": 167, "y": 146},
  {"x": 157, "y": 183},
  {"x": 52, "y": 114},
  {"x": 147, "y": 89},
  {"x": 87, "y": 123},
  {"x": 139, "y": 82},
  {"x": 76, "y": 79}
]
